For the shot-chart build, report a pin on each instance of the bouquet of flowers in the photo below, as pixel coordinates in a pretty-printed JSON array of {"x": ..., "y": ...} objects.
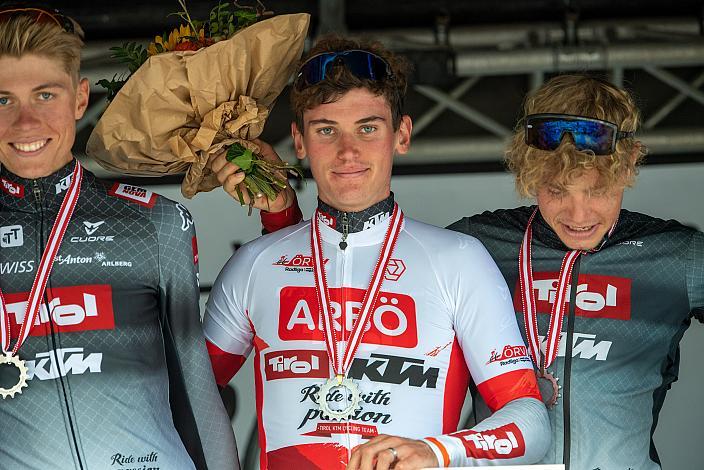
[{"x": 206, "y": 87}]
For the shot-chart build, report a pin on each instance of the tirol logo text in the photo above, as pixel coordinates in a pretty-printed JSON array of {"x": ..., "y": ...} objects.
[
  {"x": 597, "y": 296},
  {"x": 505, "y": 442},
  {"x": 391, "y": 323},
  {"x": 13, "y": 189},
  {"x": 77, "y": 308},
  {"x": 296, "y": 363}
]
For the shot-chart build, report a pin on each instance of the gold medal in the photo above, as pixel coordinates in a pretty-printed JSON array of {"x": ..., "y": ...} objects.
[{"x": 8, "y": 358}]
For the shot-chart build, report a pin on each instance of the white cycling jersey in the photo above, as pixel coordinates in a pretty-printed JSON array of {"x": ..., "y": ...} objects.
[{"x": 444, "y": 313}]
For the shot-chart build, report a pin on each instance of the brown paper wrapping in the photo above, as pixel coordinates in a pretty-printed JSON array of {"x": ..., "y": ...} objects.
[{"x": 179, "y": 108}]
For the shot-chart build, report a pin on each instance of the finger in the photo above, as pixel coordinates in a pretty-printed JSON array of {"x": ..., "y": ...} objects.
[
  {"x": 218, "y": 160},
  {"x": 231, "y": 181},
  {"x": 368, "y": 451},
  {"x": 267, "y": 151},
  {"x": 386, "y": 457}
]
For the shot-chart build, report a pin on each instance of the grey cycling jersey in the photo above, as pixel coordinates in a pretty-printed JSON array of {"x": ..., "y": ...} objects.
[
  {"x": 119, "y": 374},
  {"x": 619, "y": 350}
]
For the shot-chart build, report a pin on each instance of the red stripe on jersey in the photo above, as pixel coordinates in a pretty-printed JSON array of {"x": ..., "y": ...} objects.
[
  {"x": 455, "y": 389},
  {"x": 225, "y": 364},
  {"x": 445, "y": 455},
  {"x": 504, "y": 388},
  {"x": 259, "y": 397}
]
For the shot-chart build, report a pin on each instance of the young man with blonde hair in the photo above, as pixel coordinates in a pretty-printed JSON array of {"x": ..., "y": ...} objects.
[
  {"x": 603, "y": 295},
  {"x": 367, "y": 325},
  {"x": 103, "y": 361}
]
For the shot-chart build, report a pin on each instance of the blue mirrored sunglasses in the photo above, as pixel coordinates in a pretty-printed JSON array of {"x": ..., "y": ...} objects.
[
  {"x": 362, "y": 64},
  {"x": 546, "y": 131}
]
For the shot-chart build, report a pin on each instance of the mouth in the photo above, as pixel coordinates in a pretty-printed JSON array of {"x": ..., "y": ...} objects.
[
  {"x": 350, "y": 173},
  {"x": 580, "y": 231},
  {"x": 29, "y": 147}
]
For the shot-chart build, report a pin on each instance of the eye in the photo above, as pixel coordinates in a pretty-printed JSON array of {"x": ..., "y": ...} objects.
[
  {"x": 555, "y": 192},
  {"x": 325, "y": 131},
  {"x": 4, "y": 100},
  {"x": 45, "y": 95},
  {"x": 367, "y": 129}
]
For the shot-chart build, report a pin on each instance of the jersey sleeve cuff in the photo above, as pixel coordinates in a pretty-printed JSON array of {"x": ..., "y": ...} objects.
[
  {"x": 273, "y": 221},
  {"x": 439, "y": 450}
]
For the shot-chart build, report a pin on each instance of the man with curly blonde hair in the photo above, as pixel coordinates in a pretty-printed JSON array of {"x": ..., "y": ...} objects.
[{"x": 603, "y": 295}]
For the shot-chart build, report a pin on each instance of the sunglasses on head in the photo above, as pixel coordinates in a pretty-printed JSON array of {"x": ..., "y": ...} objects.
[
  {"x": 546, "y": 131},
  {"x": 362, "y": 64},
  {"x": 39, "y": 15}
]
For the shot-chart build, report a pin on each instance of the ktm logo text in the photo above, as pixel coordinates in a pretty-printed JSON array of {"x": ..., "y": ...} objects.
[
  {"x": 584, "y": 346},
  {"x": 597, "y": 296},
  {"x": 384, "y": 368},
  {"x": 500, "y": 443},
  {"x": 392, "y": 323},
  {"x": 78, "y": 308},
  {"x": 63, "y": 361}
]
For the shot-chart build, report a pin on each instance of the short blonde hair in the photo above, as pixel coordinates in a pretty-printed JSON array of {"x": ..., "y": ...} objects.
[
  {"x": 22, "y": 35},
  {"x": 579, "y": 95}
]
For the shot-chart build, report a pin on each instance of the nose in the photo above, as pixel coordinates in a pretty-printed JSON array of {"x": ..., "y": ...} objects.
[
  {"x": 578, "y": 209},
  {"x": 347, "y": 148},
  {"x": 27, "y": 118}
]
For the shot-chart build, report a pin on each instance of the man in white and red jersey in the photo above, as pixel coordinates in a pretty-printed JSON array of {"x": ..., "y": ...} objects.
[{"x": 367, "y": 325}]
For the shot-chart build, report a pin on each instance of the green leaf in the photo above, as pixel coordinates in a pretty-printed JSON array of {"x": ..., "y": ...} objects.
[{"x": 240, "y": 156}]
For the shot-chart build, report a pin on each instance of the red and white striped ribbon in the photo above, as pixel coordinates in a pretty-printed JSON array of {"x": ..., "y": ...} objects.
[
  {"x": 45, "y": 265},
  {"x": 370, "y": 297},
  {"x": 530, "y": 312}
]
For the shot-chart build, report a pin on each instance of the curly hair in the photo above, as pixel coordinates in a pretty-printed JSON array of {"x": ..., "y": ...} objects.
[
  {"x": 23, "y": 34},
  {"x": 341, "y": 80},
  {"x": 580, "y": 95}
]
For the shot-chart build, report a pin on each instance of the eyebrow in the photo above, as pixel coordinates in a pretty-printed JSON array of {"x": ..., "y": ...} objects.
[
  {"x": 43, "y": 86},
  {"x": 365, "y": 120}
]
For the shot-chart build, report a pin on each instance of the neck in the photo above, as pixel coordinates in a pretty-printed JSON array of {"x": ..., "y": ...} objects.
[{"x": 358, "y": 220}]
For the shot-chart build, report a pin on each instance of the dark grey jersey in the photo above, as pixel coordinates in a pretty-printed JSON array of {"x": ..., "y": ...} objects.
[
  {"x": 619, "y": 349},
  {"x": 119, "y": 374}
]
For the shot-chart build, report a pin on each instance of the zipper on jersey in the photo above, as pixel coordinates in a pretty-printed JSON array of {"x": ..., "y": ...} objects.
[
  {"x": 568, "y": 365},
  {"x": 38, "y": 198},
  {"x": 345, "y": 230}
]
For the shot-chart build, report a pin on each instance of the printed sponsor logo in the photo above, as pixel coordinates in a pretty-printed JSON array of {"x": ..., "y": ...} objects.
[
  {"x": 394, "y": 270},
  {"x": 375, "y": 220},
  {"x": 133, "y": 193},
  {"x": 11, "y": 188},
  {"x": 186, "y": 218},
  {"x": 327, "y": 219},
  {"x": 299, "y": 263},
  {"x": 392, "y": 322},
  {"x": 68, "y": 259},
  {"x": 104, "y": 262},
  {"x": 92, "y": 227},
  {"x": 509, "y": 355},
  {"x": 296, "y": 363},
  {"x": 632, "y": 243},
  {"x": 397, "y": 370},
  {"x": 11, "y": 235},
  {"x": 505, "y": 442},
  {"x": 379, "y": 399},
  {"x": 584, "y": 346},
  {"x": 597, "y": 296},
  {"x": 63, "y": 184},
  {"x": 76, "y": 308},
  {"x": 17, "y": 267},
  {"x": 366, "y": 431},
  {"x": 63, "y": 361}
]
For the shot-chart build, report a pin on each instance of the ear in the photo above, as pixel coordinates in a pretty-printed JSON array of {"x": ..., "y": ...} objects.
[
  {"x": 635, "y": 153},
  {"x": 298, "y": 144},
  {"x": 82, "y": 94},
  {"x": 403, "y": 135}
]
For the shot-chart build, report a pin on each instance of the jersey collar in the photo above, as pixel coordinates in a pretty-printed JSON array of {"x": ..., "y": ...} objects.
[{"x": 32, "y": 194}]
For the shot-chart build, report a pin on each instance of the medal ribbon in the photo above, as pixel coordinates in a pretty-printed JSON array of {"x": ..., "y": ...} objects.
[
  {"x": 45, "y": 265},
  {"x": 530, "y": 313},
  {"x": 370, "y": 296}
]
